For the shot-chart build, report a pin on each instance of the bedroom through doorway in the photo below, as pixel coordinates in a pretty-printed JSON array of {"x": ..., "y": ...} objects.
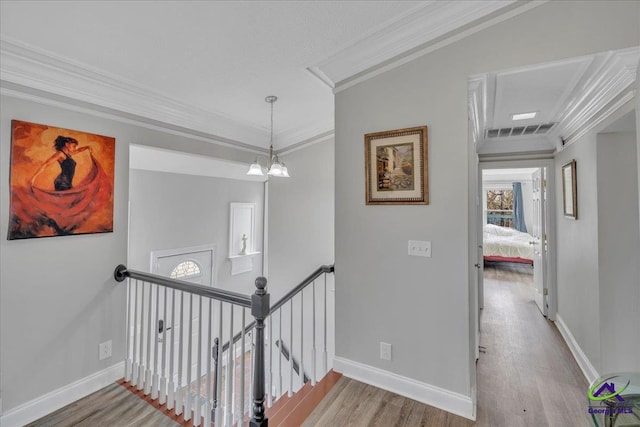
[{"x": 514, "y": 236}]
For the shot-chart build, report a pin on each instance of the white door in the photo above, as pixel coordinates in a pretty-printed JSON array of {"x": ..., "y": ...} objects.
[{"x": 539, "y": 239}]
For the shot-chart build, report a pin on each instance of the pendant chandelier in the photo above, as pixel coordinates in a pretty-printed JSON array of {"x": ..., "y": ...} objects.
[{"x": 274, "y": 167}]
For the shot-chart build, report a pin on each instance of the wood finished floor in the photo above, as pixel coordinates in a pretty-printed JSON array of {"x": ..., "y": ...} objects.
[
  {"x": 527, "y": 377},
  {"x": 112, "y": 406},
  {"x": 352, "y": 403}
]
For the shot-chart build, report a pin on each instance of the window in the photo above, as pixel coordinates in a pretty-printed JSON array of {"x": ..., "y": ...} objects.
[
  {"x": 185, "y": 269},
  {"x": 500, "y": 207}
]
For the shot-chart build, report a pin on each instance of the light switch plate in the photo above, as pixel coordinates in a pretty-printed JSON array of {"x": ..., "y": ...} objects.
[{"x": 420, "y": 248}]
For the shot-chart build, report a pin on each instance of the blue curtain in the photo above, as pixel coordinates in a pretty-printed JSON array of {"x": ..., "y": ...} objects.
[{"x": 518, "y": 209}]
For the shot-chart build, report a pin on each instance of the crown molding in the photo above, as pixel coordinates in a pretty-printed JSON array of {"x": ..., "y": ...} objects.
[
  {"x": 502, "y": 12},
  {"x": 606, "y": 85},
  {"x": 306, "y": 143},
  {"x": 423, "y": 24},
  {"x": 44, "y": 98},
  {"x": 31, "y": 67}
]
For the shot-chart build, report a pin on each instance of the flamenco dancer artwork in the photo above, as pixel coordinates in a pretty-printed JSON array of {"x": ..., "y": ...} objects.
[{"x": 61, "y": 182}]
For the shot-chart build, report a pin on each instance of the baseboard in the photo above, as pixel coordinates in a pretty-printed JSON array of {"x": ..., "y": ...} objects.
[
  {"x": 50, "y": 402},
  {"x": 585, "y": 365},
  {"x": 428, "y": 394}
]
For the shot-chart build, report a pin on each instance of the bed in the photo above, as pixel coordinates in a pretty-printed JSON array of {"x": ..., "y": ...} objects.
[{"x": 507, "y": 245}]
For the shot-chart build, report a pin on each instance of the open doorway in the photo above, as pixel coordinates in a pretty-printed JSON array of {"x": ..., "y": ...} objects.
[{"x": 514, "y": 230}]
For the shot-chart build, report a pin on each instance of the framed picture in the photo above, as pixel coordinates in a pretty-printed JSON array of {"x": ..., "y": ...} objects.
[
  {"x": 61, "y": 182},
  {"x": 396, "y": 170},
  {"x": 570, "y": 190}
]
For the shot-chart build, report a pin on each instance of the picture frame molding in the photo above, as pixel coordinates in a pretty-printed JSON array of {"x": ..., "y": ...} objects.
[
  {"x": 571, "y": 168},
  {"x": 422, "y": 158}
]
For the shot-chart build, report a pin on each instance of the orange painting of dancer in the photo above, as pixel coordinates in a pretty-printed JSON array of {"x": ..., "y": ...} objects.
[{"x": 61, "y": 181}]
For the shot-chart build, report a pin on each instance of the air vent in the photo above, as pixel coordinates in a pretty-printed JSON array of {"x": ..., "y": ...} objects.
[{"x": 520, "y": 131}]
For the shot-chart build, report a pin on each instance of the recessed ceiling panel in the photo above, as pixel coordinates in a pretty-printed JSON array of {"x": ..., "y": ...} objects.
[{"x": 539, "y": 89}]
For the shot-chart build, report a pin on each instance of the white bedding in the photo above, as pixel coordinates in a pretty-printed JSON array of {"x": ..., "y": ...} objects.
[{"x": 506, "y": 242}]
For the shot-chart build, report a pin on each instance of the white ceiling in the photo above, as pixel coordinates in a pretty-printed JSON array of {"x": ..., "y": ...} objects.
[
  {"x": 574, "y": 95},
  {"x": 207, "y": 65}
]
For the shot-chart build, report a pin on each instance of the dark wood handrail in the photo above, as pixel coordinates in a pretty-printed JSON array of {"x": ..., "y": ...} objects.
[
  {"x": 282, "y": 301},
  {"x": 122, "y": 272},
  {"x": 306, "y": 282}
]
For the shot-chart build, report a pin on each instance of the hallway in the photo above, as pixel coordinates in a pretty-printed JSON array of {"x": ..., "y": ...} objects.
[{"x": 527, "y": 377}]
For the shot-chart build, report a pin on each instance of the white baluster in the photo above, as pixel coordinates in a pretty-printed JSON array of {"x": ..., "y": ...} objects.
[
  {"x": 156, "y": 356},
  {"x": 218, "y": 420},
  {"x": 134, "y": 373},
  {"x": 270, "y": 355},
  {"x": 140, "y": 382},
  {"x": 228, "y": 398},
  {"x": 290, "y": 392},
  {"x": 301, "y": 371},
  {"x": 197, "y": 404},
  {"x": 163, "y": 369},
  {"x": 149, "y": 335},
  {"x": 207, "y": 406},
  {"x": 279, "y": 353},
  {"x": 188, "y": 405},
  {"x": 313, "y": 334},
  {"x": 242, "y": 367},
  {"x": 171, "y": 395},
  {"x": 180, "y": 391},
  {"x": 324, "y": 345},
  {"x": 127, "y": 363}
]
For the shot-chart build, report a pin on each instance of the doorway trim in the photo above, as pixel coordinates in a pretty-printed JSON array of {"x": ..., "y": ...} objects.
[{"x": 549, "y": 164}]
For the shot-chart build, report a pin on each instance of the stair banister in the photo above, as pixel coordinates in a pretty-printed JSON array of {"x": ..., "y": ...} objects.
[
  {"x": 260, "y": 311},
  {"x": 151, "y": 379},
  {"x": 260, "y": 308}
]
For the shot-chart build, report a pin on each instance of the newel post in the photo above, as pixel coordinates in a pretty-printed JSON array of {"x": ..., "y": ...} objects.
[{"x": 259, "y": 310}]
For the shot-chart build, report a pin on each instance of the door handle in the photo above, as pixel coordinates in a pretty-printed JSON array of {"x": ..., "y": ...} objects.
[
  {"x": 531, "y": 242},
  {"x": 476, "y": 265}
]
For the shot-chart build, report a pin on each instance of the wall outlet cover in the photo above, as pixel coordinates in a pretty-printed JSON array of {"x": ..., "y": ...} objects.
[
  {"x": 385, "y": 351},
  {"x": 104, "y": 350}
]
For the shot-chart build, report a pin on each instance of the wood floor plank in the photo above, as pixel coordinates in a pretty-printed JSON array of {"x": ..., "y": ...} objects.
[
  {"x": 326, "y": 402},
  {"x": 112, "y": 406},
  {"x": 527, "y": 376}
]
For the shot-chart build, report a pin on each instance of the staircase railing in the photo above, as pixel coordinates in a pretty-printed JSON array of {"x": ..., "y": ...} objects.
[{"x": 174, "y": 331}]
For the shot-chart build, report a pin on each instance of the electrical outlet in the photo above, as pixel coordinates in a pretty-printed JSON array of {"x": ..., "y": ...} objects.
[
  {"x": 420, "y": 248},
  {"x": 104, "y": 350},
  {"x": 385, "y": 351}
]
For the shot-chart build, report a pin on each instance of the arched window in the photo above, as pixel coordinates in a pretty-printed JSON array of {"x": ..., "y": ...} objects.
[{"x": 185, "y": 270}]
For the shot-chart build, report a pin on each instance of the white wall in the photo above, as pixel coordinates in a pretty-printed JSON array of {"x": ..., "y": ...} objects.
[
  {"x": 577, "y": 249},
  {"x": 58, "y": 298},
  {"x": 171, "y": 211},
  {"x": 421, "y": 305},
  {"x": 301, "y": 217},
  {"x": 618, "y": 244}
]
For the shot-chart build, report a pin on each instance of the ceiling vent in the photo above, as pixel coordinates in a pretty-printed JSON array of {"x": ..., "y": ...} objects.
[{"x": 520, "y": 131}]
